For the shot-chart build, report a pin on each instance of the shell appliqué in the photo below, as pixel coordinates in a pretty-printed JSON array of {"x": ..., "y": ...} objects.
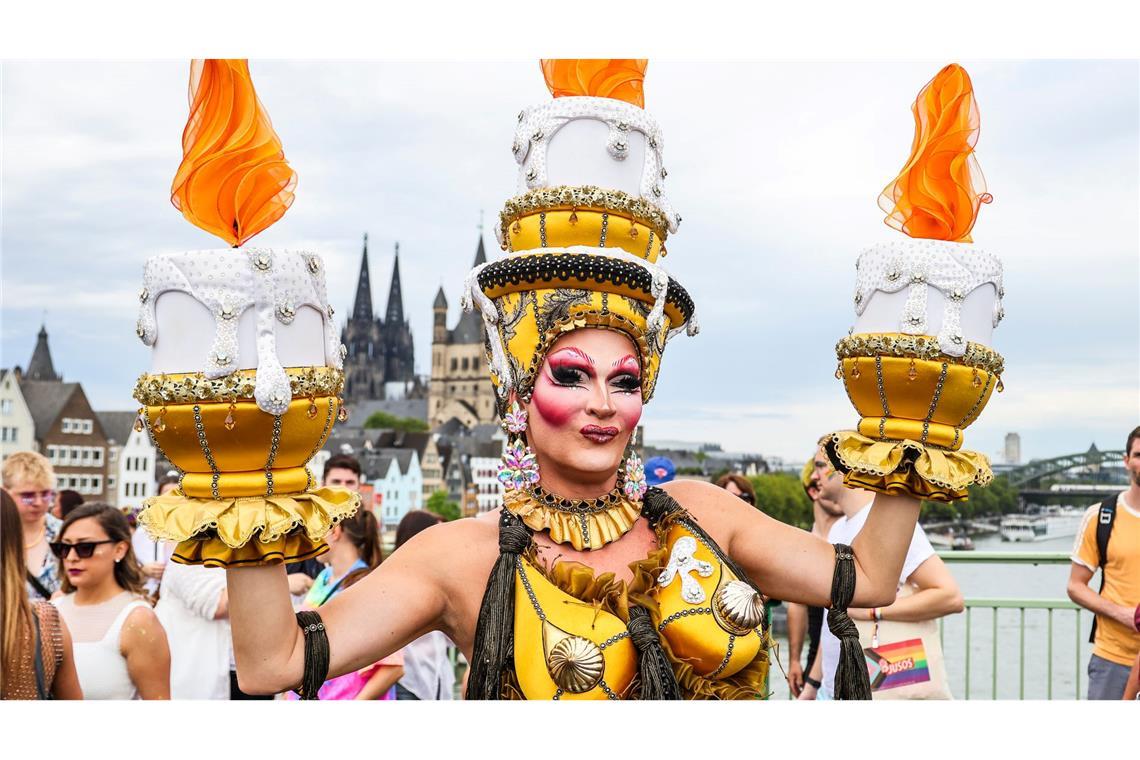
[
  {"x": 575, "y": 664},
  {"x": 738, "y": 608}
]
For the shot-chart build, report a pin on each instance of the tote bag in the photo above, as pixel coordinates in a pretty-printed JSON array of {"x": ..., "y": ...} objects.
[{"x": 904, "y": 661}]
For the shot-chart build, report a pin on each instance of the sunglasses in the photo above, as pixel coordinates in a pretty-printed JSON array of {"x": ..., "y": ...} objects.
[
  {"x": 28, "y": 498},
  {"x": 748, "y": 498},
  {"x": 83, "y": 549}
]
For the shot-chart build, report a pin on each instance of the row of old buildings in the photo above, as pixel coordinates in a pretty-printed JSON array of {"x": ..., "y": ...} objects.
[{"x": 98, "y": 454}]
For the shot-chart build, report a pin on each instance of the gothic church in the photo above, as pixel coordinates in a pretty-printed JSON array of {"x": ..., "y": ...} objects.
[{"x": 380, "y": 351}]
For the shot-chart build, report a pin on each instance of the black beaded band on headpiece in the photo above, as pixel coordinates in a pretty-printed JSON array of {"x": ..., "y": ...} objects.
[{"x": 537, "y": 269}]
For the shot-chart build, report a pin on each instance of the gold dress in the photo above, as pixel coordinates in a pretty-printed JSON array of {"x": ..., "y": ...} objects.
[{"x": 572, "y": 637}]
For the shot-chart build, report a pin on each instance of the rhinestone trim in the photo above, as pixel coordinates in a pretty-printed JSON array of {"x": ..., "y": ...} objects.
[
  {"x": 934, "y": 403},
  {"x": 274, "y": 443},
  {"x": 582, "y": 198},
  {"x": 917, "y": 347},
  {"x": 683, "y": 613},
  {"x": 206, "y": 450},
  {"x": 727, "y": 657},
  {"x": 970, "y": 415},
  {"x": 155, "y": 390}
]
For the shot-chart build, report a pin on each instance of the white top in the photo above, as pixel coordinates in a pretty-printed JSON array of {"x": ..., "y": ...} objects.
[
  {"x": 427, "y": 669},
  {"x": 843, "y": 532},
  {"x": 148, "y": 550},
  {"x": 200, "y": 646},
  {"x": 99, "y": 659}
]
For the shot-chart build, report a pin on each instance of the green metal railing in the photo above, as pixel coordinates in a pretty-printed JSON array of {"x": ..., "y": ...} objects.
[{"x": 995, "y": 605}]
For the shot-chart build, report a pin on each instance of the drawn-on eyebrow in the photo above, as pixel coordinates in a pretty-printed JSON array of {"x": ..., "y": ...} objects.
[
  {"x": 628, "y": 358},
  {"x": 577, "y": 352}
]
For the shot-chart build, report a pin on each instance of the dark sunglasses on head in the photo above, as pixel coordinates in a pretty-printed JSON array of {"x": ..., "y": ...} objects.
[
  {"x": 27, "y": 498},
  {"x": 83, "y": 549},
  {"x": 747, "y": 497}
]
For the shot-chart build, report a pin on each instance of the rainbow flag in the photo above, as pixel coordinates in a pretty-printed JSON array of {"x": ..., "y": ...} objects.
[{"x": 899, "y": 664}]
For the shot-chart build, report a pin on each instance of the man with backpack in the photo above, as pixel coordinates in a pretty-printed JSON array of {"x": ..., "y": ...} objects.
[{"x": 1109, "y": 540}]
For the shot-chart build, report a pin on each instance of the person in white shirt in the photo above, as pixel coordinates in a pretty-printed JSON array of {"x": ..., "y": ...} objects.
[
  {"x": 193, "y": 609},
  {"x": 936, "y": 593},
  {"x": 428, "y": 671}
]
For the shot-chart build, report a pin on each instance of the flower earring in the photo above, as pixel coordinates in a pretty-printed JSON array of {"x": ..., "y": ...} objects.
[
  {"x": 634, "y": 485},
  {"x": 519, "y": 467}
]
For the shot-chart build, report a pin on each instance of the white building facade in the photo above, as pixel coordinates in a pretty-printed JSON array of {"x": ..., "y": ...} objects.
[
  {"x": 485, "y": 478},
  {"x": 136, "y": 462},
  {"x": 398, "y": 487},
  {"x": 17, "y": 429}
]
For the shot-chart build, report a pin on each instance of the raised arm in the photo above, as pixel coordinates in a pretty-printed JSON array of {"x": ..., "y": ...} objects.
[
  {"x": 791, "y": 564},
  {"x": 404, "y": 598}
]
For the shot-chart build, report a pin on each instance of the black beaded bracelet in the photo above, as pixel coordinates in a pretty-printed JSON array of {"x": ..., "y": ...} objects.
[{"x": 316, "y": 654}]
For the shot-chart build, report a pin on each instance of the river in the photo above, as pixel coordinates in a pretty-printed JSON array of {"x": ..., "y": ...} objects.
[{"x": 1007, "y": 581}]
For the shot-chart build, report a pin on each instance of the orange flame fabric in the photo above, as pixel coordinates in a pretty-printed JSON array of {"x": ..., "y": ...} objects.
[
  {"x": 234, "y": 180},
  {"x": 618, "y": 78},
  {"x": 940, "y": 189}
]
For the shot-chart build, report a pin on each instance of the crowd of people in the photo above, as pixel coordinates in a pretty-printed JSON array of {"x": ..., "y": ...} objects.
[{"x": 95, "y": 609}]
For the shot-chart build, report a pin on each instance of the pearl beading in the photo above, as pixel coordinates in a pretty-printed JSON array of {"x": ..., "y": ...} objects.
[
  {"x": 227, "y": 282},
  {"x": 920, "y": 264},
  {"x": 538, "y": 124}
]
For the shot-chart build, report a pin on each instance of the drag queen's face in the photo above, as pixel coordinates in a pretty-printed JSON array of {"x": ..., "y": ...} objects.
[{"x": 585, "y": 406}]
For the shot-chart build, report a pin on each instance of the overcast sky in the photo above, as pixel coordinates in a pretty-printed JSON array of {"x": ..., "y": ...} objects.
[{"x": 775, "y": 167}]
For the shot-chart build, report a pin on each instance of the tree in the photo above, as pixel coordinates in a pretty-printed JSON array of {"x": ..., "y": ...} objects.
[
  {"x": 392, "y": 422},
  {"x": 780, "y": 495},
  {"x": 439, "y": 504}
]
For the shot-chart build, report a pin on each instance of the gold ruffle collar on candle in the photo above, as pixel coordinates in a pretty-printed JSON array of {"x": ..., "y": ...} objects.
[{"x": 582, "y": 523}]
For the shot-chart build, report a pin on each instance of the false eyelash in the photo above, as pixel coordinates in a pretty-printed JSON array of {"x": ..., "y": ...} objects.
[{"x": 567, "y": 377}]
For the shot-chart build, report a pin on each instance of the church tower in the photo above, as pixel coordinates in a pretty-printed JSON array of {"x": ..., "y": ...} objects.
[
  {"x": 398, "y": 350},
  {"x": 363, "y": 366},
  {"x": 41, "y": 367},
  {"x": 460, "y": 385}
]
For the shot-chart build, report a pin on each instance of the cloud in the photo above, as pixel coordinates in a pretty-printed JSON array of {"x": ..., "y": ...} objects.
[{"x": 775, "y": 167}]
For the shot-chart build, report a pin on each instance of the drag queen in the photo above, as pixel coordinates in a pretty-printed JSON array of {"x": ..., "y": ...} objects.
[{"x": 587, "y": 584}]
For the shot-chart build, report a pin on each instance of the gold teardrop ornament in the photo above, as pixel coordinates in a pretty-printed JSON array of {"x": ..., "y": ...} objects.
[
  {"x": 737, "y": 608},
  {"x": 575, "y": 664}
]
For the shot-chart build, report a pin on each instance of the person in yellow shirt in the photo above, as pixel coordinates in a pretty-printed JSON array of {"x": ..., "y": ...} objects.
[{"x": 1117, "y": 606}]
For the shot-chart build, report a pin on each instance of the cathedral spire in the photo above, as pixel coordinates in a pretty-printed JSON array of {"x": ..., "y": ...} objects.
[
  {"x": 395, "y": 314},
  {"x": 362, "y": 307},
  {"x": 41, "y": 367},
  {"x": 480, "y": 253}
]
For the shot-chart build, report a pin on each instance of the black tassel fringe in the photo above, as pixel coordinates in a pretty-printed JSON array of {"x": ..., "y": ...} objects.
[
  {"x": 851, "y": 679},
  {"x": 656, "y": 674},
  {"x": 493, "y": 650}
]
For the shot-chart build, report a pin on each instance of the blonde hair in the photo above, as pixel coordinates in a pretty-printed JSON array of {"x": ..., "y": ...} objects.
[{"x": 29, "y": 467}]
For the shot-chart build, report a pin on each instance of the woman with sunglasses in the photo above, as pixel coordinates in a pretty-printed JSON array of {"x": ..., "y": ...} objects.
[
  {"x": 738, "y": 485},
  {"x": 38, "y": 662},
  {"x": 121, "y": 650},
  {"x": 29, "y": 477}
]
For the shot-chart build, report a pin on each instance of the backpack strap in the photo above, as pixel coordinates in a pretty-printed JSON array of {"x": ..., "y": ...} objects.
[
  {"x": 38, "y": 585},
  {"x": 1105, "y": 518}
]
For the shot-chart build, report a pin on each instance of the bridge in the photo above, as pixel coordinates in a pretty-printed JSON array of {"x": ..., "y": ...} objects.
[{"x": 1032, "y": 473}]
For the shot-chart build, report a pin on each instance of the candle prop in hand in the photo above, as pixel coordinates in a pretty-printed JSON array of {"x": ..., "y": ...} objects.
[
  {"x": 246, "y": 367},
  {"x": 917, "y": 365}
]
